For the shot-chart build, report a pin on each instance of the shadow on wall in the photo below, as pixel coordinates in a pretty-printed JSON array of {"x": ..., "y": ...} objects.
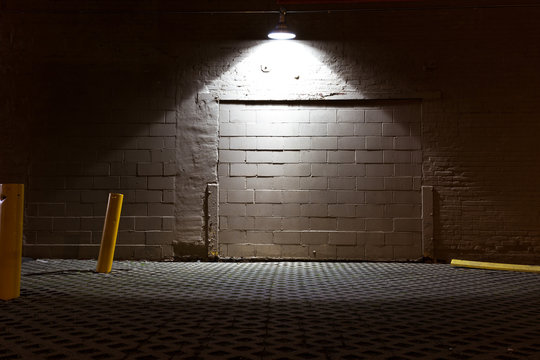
[
  {"x": 498, "y": 187},
  {"x": 95, "y": 129}
]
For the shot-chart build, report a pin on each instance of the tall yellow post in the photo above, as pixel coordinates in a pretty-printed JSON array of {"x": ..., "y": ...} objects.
[
  {"x": 110, "y": 230},
  {"x": 11, "y": 226}
]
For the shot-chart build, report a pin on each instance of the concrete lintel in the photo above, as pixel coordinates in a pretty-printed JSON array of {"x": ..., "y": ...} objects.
[{"x": 430, "y": 95}]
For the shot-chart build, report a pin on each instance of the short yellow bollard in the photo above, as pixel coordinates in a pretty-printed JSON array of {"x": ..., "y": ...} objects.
[
  {"x": 11, "y": 226},
  {"x": 110, "y": 230},
  {"x": 495, "y": 266}
]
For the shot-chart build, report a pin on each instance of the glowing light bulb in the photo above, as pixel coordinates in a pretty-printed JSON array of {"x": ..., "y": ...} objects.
[
  {"x": 281, "y": 31},
  {"x": 283, "y": 35}
]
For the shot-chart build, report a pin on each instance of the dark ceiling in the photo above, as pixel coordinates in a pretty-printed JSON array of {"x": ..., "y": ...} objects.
[{"x": 166, "y": 6}]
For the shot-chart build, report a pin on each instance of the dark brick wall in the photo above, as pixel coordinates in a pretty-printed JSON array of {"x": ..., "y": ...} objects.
[
  {"x": 85, "y": 142},
  {"x": 110, "y": 101}
]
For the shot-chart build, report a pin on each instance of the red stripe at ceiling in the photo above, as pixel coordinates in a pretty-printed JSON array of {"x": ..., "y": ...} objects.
[{"x": 337, "y": 1}]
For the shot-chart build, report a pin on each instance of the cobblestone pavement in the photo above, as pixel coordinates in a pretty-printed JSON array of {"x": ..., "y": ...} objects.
[{"x": 272, "y": 310}]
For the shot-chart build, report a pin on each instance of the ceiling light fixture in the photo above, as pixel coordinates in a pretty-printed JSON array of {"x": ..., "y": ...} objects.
[{"x": 281, "y": 31}]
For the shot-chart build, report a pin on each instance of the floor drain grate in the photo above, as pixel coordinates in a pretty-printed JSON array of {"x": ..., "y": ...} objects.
[{"x": 147, "y": 310}]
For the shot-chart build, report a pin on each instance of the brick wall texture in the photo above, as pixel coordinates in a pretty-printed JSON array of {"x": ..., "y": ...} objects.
[
  {"x": 320, "y": 182},
  {"x": 154, "y": 104}
]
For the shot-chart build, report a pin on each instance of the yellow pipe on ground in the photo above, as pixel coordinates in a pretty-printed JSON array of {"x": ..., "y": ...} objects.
[
  {"x": 110, "y": 231},
  {"x": 11, "y": 226},
  {"x": 495, "y": 266}
]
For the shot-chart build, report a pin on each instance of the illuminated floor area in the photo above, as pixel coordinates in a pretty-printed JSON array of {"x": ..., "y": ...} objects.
[{"x": 295, "y": 310}]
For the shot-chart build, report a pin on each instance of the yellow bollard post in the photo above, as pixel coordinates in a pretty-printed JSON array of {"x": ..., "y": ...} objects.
[
  {"x": 11, "y": 226},
  {"x": 110, "y": 230}
]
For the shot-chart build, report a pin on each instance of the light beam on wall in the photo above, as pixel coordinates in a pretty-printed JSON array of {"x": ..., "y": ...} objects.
[{"x": 281, "y": 70}]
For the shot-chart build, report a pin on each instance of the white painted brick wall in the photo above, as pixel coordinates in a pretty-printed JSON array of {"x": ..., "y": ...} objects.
[
  {"x": 340, "y": 129},
  {"x": 296, "y": 143},
  {"x": 243, "y": 169},
  {"x": 322, "y": 116},
  {"x": 351, "y": 142},
  {"x": 296, "y": 196},
  {"x": 352, "y": 116},
  {"x": 341, "y": 157},
  {"x": 77, "y": 136},
  {"x": 240, "y": 143},
  {"x": 313, "y": 156},
  {"x": 319, "y": 179},
  {"x": 324, "y": 142},
  {"x": 323, "y": 196},
  {"x": 239, "y": 196},
  {"x": 232, "y": 156},
  {"x": 313, "y": 130},
  {"x": 358, "y": 170},
  {"x": 259, "y": 209},
  {"x": 296, "y": 169},
  {"x": 379, "y": 142},
  {"x": 350, "y": 224},
  {"x": 269, "y": 196},
  {"x": 286, "y": 210},
  {"x": 272, "y": 143},
  {"x": 290, "y": 157},
  {"x": 323, "y": 169},
  {"x": 269, "y": 170}
]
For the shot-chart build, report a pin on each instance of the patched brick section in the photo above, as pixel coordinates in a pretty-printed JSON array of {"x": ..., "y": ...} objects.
[{"x": 321, "y": 182}]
